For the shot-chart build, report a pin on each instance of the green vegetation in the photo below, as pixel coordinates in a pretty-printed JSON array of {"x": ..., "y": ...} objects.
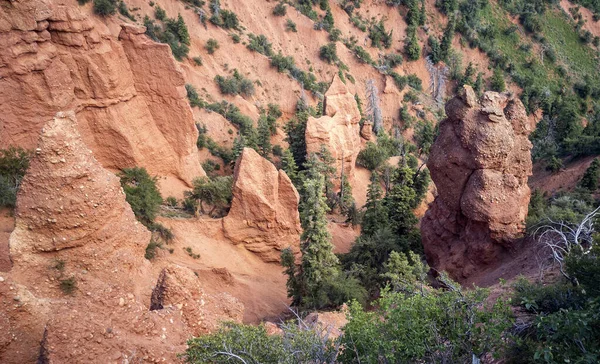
[
  {"x": 260, "y": 44},
  {"x": 211, "y": 45},
  {"x": 191, "y": 253},
  {"x": 141, "y": 193},
  {"x": 212, "y": 191},
  {"x": 328, "y": 53},
  {"x": 68, "y": 285},
  {"x": 280, "y": 9},
  {"x": 290, "y": 26},
  {"x": 235, "y": 85},
  {"x": 105, "y": 7},
  {"x": 174, "y": 32},
  {"x": 14, "y": 162}
]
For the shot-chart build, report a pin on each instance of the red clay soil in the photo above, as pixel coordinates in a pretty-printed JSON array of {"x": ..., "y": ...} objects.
[{"x": 7, "y": 225}]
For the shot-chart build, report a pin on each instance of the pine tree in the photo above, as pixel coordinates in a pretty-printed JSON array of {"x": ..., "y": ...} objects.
[
  {"x": 264, "y": 136},
  {"x": 497, "y": 83},
  {"x": 591, "y": 176},
  {"x": 376, "y": 214},
  {"x": 328, "y": 20},
  {"x": 401, "y": 200},
  {"x": 436, "y": 51},
  {"x": 446, "y": 43},
  {"x": 288, "y": 164},
  {"x": 422, "y": 14},
  {"x": 467, "y": 78},
  {"x": 288, "y": 261},
  {"x": 319, "y": 264},
  {"x": 411, "y": 44},
  {"x": 182, "y": 31}
]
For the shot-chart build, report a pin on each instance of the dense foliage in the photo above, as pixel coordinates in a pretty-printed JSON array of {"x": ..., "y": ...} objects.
[{"x": 13, "y": 165}]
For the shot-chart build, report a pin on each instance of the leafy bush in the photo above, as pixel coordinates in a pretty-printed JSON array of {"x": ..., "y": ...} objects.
[
  {"x": 283, "y": 63},
  {"x": 124, "y": 11},
  {"x": 280, "y": 9},
  {"x": 290, "y": 26},
  {"x": 260, "y": 44},
  {"x": 14, "y": 162},
  {"x": 372, "y": 157},
  {"x": 432, "y": 327},
  {"x": 105, "y": 7},
  {"x": 300, "y": 343},
  {"x": 328, "y": 53},
  {"x": 235, "y": 85},
  {"x": 193, "y": 96},
  {"x": 197, "y": 60},
  {"x": 211, "y": 45},
  {"x": 215, "y": 192},
  {"x": 174, "y": 32},
  {"x": 141, "y": 193},
  {"x": 160, "y": 13}
]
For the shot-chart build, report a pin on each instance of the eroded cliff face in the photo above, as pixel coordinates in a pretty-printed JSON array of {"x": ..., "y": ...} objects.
[
  {"x": 479, "y": 163},
  {"x": 264, "y": 210},
  {"x": 338, "y": 129},
  {"x": 127, "y": 91},
  {"x": 75, "y": 230}
]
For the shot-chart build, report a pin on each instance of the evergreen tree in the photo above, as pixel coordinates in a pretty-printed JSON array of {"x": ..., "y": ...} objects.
[
  {"x": 402, "y": 199},
  {"x": 288, "y": 164},
  {"x": 288, "y": 261},
  {"x": 319, "y": 264},
  {"x": 467, "y": 78},
  {"x": 328, "y": 20},
  {"x": 446, "y": 43},
  {"x": 436, "y": 51},
  {"x": 411, "y": 44},
  {"x": 376, "y": 214},
  {"x": 182, "y": 31},
  {"x": 590, "y": 179},
  {"x": 264, "y": 136},
  {"x": 422, "y": 14},
  {"x": 497, "y": 83}
]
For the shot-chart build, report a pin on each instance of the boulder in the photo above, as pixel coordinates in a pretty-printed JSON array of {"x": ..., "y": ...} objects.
[
  {"x": 338, "y": 129},
  {"x": 264, "y": 211},
  {"x": 480, "y": 163}
]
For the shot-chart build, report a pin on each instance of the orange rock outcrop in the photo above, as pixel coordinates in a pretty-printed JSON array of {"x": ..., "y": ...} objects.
[
  {"x": 338, "y": 129},
  {"x": 480, "y": 163},
  {"x": 80, "y": 284},
  {"x": 127, "y": 91},
  {"x": 264, "y": 210}
]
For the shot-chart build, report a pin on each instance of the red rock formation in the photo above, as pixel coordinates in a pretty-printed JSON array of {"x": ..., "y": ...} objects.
[
  {"x": 264, "y": 211},
  {"x": 338, "y": 129},
  {"x": 74, "y": 227},
  {"x": 480, "y": 163},
  {"x": 125, "y": 91}
]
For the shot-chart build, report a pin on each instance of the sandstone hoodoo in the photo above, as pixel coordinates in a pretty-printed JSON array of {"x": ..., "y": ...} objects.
[
  {"x": 338, "y": 129},
  {"x": 125, "y": 90},
  {"x": 479, "y": 163},
  {"x": 79, "y": 282},
  {"x": 264, "y": 210}
]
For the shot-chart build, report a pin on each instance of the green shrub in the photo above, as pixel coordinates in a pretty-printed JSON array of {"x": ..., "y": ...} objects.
[
  {"x": 290, "y": 26},
  {"x": 362, "y": 55},
  {"x": 14, "y": 162},
  {"x": 105, "y": 7},
  {"x": 211, "y": 45},
  {"x": 260, "y": 44},
  {"x": 372, "y": 157},
  {"x": 301, "y": 343},
  {"x": 171, "y": 201},
  {"x": 328, "y": 53},
  {"x": 160, "y": 13},
  {"x": 283, "y": 63},
  {"x": 280, "y": 9},
  {"x": 193, "y": 97},
  {"x": 141, "y": 193},
  {"x": 236, "y": 38},
  {"x": 124, "y": 11},
  {"x": 235, "y": 85},
  {"x": 197, "y": 60},
  {"x": 215, "y": 192},
  {"x": 210, "y": 167},
  {"x": 151, "y": 249}
]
